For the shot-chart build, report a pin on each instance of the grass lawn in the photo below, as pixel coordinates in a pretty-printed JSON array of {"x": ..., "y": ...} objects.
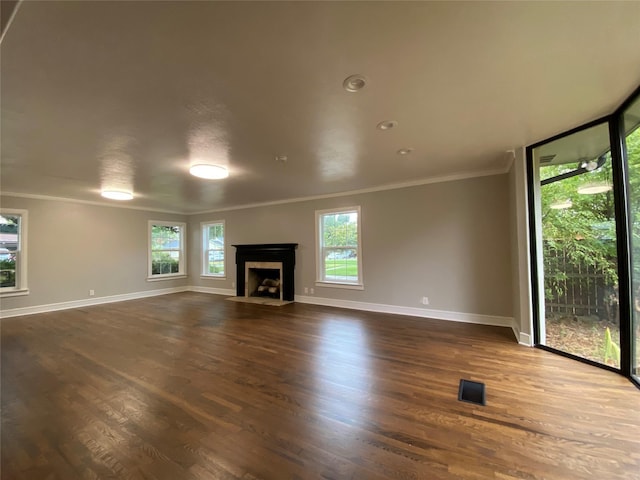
[
  {"x": 582, "y": 336},
  {"x": 216, "y": 266},
  {"x": 341, "y": 267}
]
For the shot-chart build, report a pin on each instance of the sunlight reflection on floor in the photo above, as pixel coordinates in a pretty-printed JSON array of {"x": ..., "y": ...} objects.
[{"x": 344, "y": 375}]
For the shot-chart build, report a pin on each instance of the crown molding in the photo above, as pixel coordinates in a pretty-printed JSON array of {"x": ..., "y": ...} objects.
[
  {"x": 88, "y": 202},
  {"x": 380, "y": 188},
  {"x": 393, "y": 186}
]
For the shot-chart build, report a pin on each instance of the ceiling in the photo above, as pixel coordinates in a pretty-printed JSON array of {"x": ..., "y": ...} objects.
[
  {"x": 127, "y": 95},
  {"x": 588, "y": 144}
]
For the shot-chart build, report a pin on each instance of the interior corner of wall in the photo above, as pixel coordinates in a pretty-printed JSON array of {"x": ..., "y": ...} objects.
[{"x": 522, "y": 338}]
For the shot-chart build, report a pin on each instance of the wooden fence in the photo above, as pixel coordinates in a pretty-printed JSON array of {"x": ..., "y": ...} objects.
[{"x": 578, "y": 290}]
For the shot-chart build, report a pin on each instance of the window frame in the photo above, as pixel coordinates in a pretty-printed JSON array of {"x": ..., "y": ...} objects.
[
  {"x": 182, "y": 251},
  {"x": 321, "y": 280},
  {"x": 20, "y": 288},
  {"x": 621, "y": 193},
  {"x": 204, "y": 236}
]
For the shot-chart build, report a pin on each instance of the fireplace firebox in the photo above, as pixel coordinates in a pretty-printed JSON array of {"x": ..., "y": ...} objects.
[{"x": 266, "y": 269}]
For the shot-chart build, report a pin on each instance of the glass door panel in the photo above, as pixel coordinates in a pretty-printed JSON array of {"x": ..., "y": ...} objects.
[
  {"x": 631, "y": 122},
  {"x": 577, "y": 240}
]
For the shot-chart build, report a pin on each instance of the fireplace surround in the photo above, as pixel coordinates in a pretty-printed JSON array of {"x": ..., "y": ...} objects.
[{"x": 267, "y": 253}]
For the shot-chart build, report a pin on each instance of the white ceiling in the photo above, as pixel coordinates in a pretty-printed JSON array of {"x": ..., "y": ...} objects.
[{"x": 129, "y": 94}]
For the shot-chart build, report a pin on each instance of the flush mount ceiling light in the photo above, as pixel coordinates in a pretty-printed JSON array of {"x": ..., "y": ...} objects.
[
  {"x": 117, "y": 195},
  {"x": 561, "y": 205},
  {"x": 210, "y": 172},
  {"x": 594, "y": 187},
  {"x": 589, "y": 166},
  {"x": 354, "y": 83},
  {"x": 405, "y": 151},
  {"x": 387, "y": 125},
  {"x": 281, "y": 158}
]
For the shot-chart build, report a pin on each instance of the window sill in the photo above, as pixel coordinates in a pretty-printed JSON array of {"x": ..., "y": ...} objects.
[
  {"x": 14, "y": 293},
  {"x": 348, "y": 286},
  {"x": 214, "y": 277},
  {"x": 165, "y": 277}
]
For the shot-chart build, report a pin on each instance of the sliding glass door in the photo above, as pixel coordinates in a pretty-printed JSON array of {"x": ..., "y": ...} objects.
[{"x": 577, "y": 245}]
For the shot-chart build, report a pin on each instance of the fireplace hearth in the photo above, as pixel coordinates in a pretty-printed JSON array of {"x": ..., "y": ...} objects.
[{"x": 266, "y": 270}]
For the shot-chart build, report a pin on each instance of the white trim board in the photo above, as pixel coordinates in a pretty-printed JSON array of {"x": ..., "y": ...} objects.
[
  {"x": 475, "y": 318},
  {"x": 89, "y": 202},
  {"x": 412, "y": 311},
  {"x": 229, "y": 292},
  {"x": 523, "y": 338},
  {"x": 379, "y": 188},
  {"x": 52, "y": 307},
  {"x": 347, "y": 193}
]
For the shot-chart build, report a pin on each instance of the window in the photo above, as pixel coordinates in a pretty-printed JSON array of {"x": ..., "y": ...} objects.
[
  {"x": 213, "y": 249},
  {"x": 167, "y": 249},
  {"x": 631, "y": 132},
  {"x": 578, "y": 246},
  {"x": 13, "y": 252},
  {"x": 339, "y": 260},
  {"x": 584, "y": 207}
]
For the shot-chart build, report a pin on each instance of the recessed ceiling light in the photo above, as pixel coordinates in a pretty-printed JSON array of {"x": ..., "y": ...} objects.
[
  {"x": 387, "y": 125},
  {"x": 354, "y": 83},
  {"x": 210, "y": 172},
  {"x": 405, "y": 151},
  {"x": 281, "y": 158},
  {"x": 117, "y": 195}
]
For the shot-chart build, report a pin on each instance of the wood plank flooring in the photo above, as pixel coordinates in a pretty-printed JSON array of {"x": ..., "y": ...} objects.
[{"x": 190, "y": 386}]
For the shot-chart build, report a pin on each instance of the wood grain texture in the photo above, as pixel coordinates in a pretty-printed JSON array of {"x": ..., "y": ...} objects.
[{"x": 190, "y": 386}]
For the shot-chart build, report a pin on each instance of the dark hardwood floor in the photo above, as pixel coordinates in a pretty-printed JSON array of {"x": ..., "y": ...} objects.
[{"x": 190, "y": 386}]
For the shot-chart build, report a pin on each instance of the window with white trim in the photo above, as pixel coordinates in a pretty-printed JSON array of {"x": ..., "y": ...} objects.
[
  {"x": 167, "y": 249},
  {"x": 338, "y": 251},
  {"x": 13, "y": 252},
  {"x": 213, "y": 260}
]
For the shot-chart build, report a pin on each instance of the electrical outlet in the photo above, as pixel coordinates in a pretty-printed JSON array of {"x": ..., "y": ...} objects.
[
  {"x": 92, "y": 293},
  {"x": 306, "y": 289},
  {"x": 311, "y": 291},
  {"x": 425, "y": 300}
]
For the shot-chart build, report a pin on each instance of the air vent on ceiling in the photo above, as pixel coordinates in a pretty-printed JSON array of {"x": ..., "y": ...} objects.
[{"x": 547, "y": 158}]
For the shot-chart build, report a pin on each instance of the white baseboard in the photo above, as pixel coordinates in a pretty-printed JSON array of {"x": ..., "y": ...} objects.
[
  {"x": 52, "y": 307},
  {"x": 412, "y": 311},
  {"x": 330, "y": 302},
  {"x": 523, "y": 338},
  {"x": 229, "y": 292}
]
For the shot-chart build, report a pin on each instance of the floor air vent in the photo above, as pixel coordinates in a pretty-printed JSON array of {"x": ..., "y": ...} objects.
[{"x": 472, "y": 392}]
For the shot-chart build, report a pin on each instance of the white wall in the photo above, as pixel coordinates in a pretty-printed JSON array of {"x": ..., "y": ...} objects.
[
  {"x": 520, "y": 260},
  {"x": 448, "y": 241},
  {"x": 74, "y": 247}
]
